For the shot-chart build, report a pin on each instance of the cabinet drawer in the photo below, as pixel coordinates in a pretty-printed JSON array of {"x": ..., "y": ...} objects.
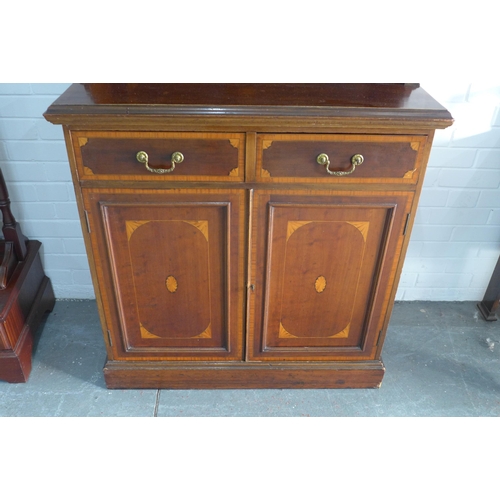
[
  {"x": 294, "y": 158},
  {"x": 114, "y": 156}
]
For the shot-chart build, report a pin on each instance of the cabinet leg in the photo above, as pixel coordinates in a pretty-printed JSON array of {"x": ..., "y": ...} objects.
[
  {"x": 488, "y": 309},
  {"x": 491, "y": 300}
]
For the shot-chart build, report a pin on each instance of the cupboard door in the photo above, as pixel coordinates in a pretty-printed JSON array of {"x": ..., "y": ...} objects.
[
  {"x": 323, "y": 269},
  {"x": 170, "y": 275}
]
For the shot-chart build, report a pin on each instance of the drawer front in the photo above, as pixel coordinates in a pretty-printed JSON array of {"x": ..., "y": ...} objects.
[
  {"x": 114, "y": 156},
  {"x": 294, "y": 158}
]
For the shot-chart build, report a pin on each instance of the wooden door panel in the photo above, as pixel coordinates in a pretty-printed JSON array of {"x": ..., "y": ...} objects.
[
  {"x": 320, "y": 287},
  {"x": 171, "y": 264},
  {"x": 328, "y": 273},
  {"x": 175, "y": 277}
]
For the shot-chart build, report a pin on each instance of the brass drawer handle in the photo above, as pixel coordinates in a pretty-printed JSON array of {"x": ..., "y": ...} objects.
[
  {"x": 177, "y": 157},
  {"x": 356, "y": 160}
]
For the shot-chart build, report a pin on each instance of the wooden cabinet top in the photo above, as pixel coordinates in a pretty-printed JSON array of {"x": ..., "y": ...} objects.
[{"x": 364, "y": 103}]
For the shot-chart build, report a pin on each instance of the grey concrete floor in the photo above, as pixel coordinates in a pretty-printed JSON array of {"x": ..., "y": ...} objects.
[{"x": 442, "y": 359}]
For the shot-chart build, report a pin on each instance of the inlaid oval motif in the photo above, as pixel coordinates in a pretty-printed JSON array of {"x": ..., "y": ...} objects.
[
  {"x": 171, "y": 284},
  {"x": 320, "y": 284}
]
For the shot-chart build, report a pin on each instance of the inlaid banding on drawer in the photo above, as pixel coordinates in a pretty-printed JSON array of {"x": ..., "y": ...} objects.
[
  {"x": 335, "y": 158},
  {"x": 205, "y": 156}
]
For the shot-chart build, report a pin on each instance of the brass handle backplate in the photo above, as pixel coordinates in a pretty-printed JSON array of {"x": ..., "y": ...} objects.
[
  {"x": 356, "y": 160},
  {"x": 177, "y": 157}
]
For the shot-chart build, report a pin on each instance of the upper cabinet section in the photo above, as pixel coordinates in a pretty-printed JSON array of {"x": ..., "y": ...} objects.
[{"x": 247, "y": 107}]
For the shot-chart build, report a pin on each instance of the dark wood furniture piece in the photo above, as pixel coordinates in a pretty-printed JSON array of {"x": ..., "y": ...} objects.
[
  {"x": 491, "y": 300},
  {"x": 246, "y": 236},
  {"x": 25, "y": 295}
]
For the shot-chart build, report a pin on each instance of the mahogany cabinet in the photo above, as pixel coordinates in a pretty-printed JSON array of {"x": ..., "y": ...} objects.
[{"x": 246, "y": 235}]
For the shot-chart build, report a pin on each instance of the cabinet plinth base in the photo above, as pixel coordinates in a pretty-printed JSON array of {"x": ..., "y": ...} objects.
[{"x": 159, "y": 375}]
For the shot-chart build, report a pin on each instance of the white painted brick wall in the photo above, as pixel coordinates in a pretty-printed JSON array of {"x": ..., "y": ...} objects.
[
  {"x": 456, "y": 238},
  {"x": 455, "y": 243},
  {"x": 35, "y": 166}
]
